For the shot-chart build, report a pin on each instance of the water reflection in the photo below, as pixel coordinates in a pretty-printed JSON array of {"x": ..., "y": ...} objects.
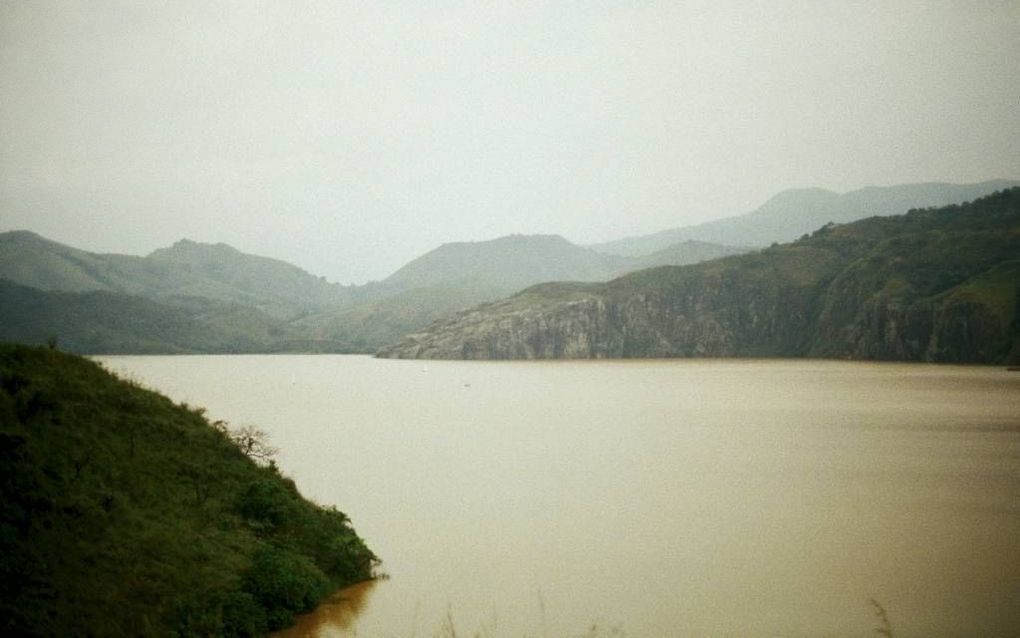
[{"x": 336, "y": 617}]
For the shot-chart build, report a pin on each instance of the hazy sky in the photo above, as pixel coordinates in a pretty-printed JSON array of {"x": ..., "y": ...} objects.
[{"x": 350, "y": 137}]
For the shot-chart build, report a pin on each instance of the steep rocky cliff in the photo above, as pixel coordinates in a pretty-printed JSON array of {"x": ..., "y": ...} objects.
[{"x": 931, "y": 285}]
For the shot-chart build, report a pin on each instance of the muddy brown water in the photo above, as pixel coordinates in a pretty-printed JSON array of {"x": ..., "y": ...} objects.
[{"x": 645, "y": 498}]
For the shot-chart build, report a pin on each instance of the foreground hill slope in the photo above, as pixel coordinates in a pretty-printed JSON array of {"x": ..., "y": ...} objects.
[
  {"x": 931, "y": 285},
  {"x": 791, "y": 213},
  {"x": 123, "y": 514}
]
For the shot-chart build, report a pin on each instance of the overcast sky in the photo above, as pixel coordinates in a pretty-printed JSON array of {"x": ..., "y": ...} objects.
[{"x": 349, "y": 138}]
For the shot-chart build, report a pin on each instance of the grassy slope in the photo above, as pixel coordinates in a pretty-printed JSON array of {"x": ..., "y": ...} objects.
[
  {"x": 110, "y": 322},
  {"x": 125, "y": 514}
]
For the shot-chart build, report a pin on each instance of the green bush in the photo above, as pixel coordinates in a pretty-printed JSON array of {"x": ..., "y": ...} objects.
[
  {"x": 267, "y": 504},
  {"x": 233, "y": 614},
  {"x": 284, "y": 583}
]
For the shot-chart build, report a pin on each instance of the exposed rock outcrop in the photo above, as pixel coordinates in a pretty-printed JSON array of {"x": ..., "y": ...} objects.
[{"x": 932, "y": 285}]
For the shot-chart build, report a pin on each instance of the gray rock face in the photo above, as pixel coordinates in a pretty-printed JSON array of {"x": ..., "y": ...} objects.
[
  {"x": 934, "y": 285},
  {"x": 699, "y": 319},
  {"x": 956, "y": 326}
]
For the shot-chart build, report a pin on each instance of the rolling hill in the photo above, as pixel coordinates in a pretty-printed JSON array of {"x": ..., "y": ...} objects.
[
  {"x": 510, "y": 263},
  {"x": 186, "y": 269}
]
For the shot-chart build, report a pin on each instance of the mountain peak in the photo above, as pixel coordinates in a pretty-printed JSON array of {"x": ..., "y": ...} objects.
[
  {"x": 20, "y": 234},
  {"x": 798, "y": 197},
  {"x": 15, "y": 237},
  {"x": 513, "y": 239},
  {"x": 510, "y": 262},
  {"x": 190, "y": 247}
]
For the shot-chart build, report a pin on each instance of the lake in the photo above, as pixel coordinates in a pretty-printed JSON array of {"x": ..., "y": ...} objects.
[{"x": 645, "y": 498}]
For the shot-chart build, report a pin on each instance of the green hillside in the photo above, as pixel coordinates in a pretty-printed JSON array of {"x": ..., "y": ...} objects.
[
  {"x": 931, "y": 285},
  {"x": 269, "y": 284},
  {"x": 116, "y": 323},
  {"x": 123, "y": 514},
  {"x": 187, "y": 269}
]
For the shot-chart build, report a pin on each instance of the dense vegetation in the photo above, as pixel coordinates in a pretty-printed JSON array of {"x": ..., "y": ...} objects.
[
  {"x": 123, "y": 514},
  {"x": 932, "y": 285},
  {"x": 110, "y": 322}
]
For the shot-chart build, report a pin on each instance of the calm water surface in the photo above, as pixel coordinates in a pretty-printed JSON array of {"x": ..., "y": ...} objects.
[{"x": 660, "y": 498}]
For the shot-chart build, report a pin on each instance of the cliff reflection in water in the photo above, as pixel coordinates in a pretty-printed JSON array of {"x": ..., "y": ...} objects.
[{"x": 335, "y": 617}]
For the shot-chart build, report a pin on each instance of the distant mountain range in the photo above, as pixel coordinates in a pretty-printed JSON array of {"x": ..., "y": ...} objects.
[
  {"x": 931, "y": 285},
  {"x": 195, "y": 297},
  {"x": 792, "y": 213}
]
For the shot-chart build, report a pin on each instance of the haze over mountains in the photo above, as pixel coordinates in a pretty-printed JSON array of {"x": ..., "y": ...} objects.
[
  {"x": 515, "y": 261},
  {"x": 212, "y": 297},
  {"x": 791, "y": 213},
  {"x": 195, "y": 297}
]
